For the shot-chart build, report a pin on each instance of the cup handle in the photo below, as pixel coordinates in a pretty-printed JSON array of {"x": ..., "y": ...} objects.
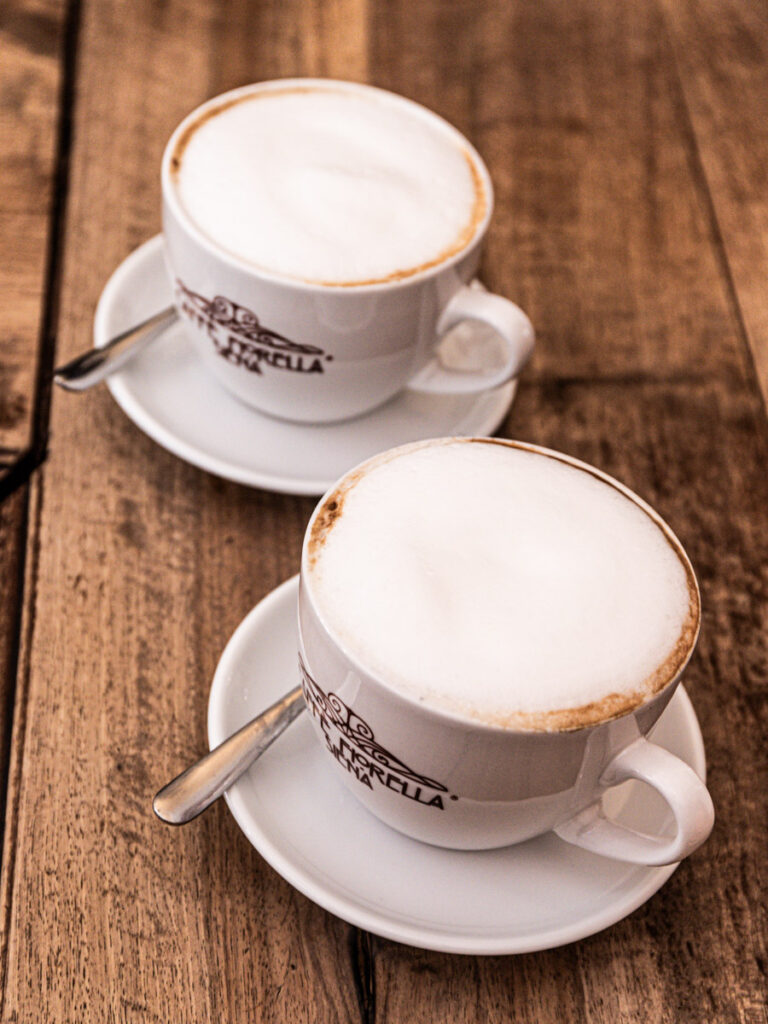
[
  {"x": 675, "y": 781},
  {"x": 505, "y": 318}
]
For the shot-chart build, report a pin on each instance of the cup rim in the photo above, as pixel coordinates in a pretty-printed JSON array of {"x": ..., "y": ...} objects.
[
  {"x": 175, "y": 206},
  {"x": 446, "y": 714}
]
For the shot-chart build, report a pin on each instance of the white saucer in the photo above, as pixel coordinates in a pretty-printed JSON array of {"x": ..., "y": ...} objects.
[
  {"x": 314, "y": 833},
  {"x": 168, "y": 395}
]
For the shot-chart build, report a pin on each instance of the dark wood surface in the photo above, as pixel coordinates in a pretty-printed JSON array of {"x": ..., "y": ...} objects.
[{"x": 628, "y": 147}]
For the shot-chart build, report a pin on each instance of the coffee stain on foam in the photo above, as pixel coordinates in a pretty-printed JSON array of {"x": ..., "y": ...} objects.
[
  {"x": 332, "y": 506},
  {"x": 609, "y": 707},
  {"x": 327, "y": 516},
  {"x": 613, "y": 705},
  {"x": 460, "y": 243},
  {"x": 219, "y": 108}
]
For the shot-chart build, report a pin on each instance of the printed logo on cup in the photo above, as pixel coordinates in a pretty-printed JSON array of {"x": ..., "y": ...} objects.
[
  {"x": 352, "y": 743},
  {"x": 324, "y": 269},
  {"x": 239, "y": 336}
]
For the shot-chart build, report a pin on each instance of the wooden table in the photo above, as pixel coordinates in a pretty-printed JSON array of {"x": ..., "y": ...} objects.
[{"x": 628, "y": 146}]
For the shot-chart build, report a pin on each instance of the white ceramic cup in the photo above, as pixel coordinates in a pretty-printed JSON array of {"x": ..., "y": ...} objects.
[
  {"x": 464, "y": 784},
  {"x": 318, "y": 353}
]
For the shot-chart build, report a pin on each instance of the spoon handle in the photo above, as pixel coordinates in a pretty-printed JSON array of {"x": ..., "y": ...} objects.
[
  {"x": 93, "y": 366},
  {"x": 196, "y": 788}
]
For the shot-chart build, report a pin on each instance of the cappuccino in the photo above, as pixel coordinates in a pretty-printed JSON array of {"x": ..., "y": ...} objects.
[
  {"x": 503, "y": 583},
  {"x": 330, "y": 185}
]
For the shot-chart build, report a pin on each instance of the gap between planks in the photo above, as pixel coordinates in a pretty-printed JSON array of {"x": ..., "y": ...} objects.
[{"x": 21, "y": 475}]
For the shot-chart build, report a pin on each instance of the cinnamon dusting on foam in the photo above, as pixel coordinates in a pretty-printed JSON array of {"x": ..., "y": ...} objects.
[
  {"x": 330, "y": 511},
  {"x": 610, "y": 706},
  {"x": 461, "y": 242}
]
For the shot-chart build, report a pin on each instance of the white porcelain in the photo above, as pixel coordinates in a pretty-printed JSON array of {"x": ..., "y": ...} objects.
[
  {"x": 464, "y": 784},
  {"x": 531, "y": 896},
  {"x": 320, "y": 353},
  {"x": 169, "y": 395}
]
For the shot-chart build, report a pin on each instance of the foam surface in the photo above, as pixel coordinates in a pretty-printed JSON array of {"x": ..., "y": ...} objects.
[
  {"x": 493, "y": 581},
  {"x": 330, "y": 186}
]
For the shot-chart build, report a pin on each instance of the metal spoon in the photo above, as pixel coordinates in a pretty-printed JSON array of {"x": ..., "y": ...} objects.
[
  {"x": 203, "y": 783},
  {"x": 93, "y": 366}
]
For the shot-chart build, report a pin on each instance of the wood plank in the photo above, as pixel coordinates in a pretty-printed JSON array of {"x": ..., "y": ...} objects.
[
  {"x": 16, "y": 512},
  {"x": 603, "y": 233},
  {"x": 144, "y": 568},
  {"x": 696, "y": 950},
  {"x": 721, "y": 53},
  {"x": 31, "y": 33},
  {"x": 31, "y": 39}
]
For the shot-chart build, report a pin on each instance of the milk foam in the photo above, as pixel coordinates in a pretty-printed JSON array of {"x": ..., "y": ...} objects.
[
  {"x": 498, "y": 583},
  {"x": 329, "y": 185}
]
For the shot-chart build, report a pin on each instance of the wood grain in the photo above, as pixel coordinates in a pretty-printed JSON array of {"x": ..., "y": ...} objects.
[
  {"x": 139, "y": 567},
  {"x": 696, "y": 951},
  {"x": 145, "y": 567},
  {"x": 31, "y": 58},
  {"x": 721, "y": 52},
  {"x": 31, "y": 40},
  {"x": 603, "y": 232}
]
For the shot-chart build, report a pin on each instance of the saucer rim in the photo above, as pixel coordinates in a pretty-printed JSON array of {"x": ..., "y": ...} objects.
[
  {"x": 237, "y": 473},
  {"x": 355, "y": 914}
]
